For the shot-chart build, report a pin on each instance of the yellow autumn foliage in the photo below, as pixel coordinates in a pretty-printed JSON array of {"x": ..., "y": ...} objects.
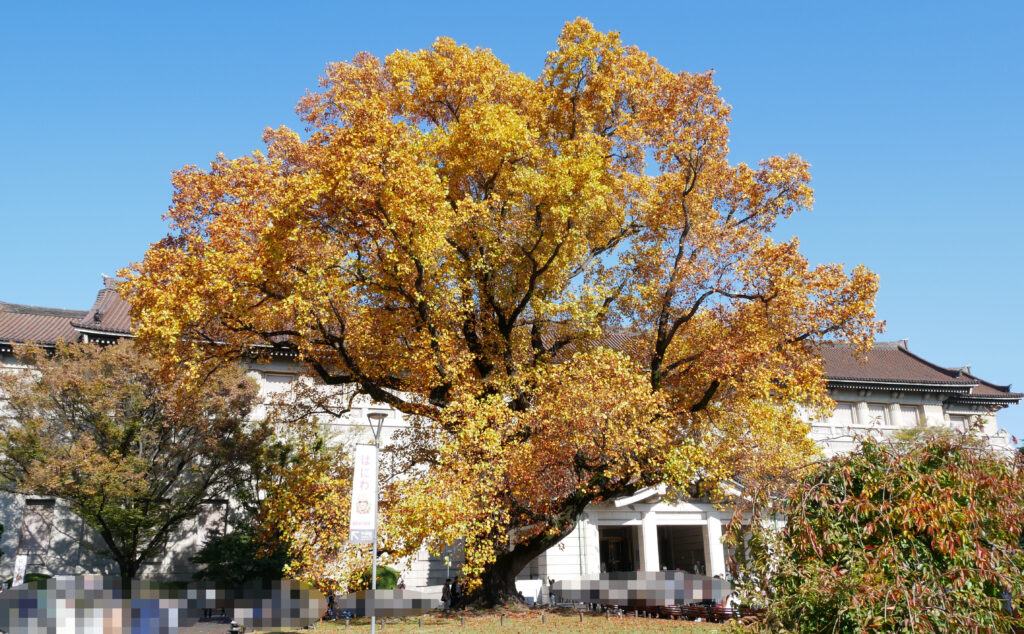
[{"x": 562, "y": 282}]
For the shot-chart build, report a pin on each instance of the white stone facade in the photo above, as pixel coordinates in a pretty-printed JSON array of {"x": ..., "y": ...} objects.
[
  {"x": 646, "y": 533},
  {"x": 882, "y": 414}
]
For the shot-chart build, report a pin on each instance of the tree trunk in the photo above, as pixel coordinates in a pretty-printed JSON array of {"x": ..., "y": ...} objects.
[
  {"x": 129, "y": 569},
  {"x": 498, "y": 581}
]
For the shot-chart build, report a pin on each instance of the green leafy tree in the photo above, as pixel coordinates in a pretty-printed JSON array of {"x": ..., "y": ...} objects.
[
  {"x": 387, "y": 577},
  {"x": 232, "y": 559},
  {"x": 921, "y": 535},
  {"x": 132, "y": 448},
  {"x": 256, "y": 549}
]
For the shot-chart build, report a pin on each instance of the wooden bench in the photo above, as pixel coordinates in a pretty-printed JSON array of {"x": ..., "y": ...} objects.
[
  {"x": 693, "y": 612},
  {"x": 720, "y": 614}
]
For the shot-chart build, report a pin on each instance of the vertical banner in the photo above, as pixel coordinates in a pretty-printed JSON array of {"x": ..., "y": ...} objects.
[
  {"x": 361, "y": 524},
  {"x": 20, "y": 563}
]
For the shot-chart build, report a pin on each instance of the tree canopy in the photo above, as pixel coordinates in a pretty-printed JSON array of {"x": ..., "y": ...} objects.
[
  {"x": 133, "y": 451},
  {"x": 562, "y": 282},
  {"x": 234, "y": 559},
  {"x": 921, "y": 535}
]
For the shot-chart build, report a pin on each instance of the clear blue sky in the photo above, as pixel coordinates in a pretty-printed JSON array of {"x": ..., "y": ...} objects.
[{"x": 911, "y": 114}]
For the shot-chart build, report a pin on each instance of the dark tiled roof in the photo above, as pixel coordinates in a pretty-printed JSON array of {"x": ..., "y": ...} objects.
[
  {"x": 984, "y": 388},
  {"x": 887, "y": 361},
  {"x": 109, "y": 313},
  {"x": 21, "y": 324},
  {"x": 891, "y": 362},
  {"x": 621, "y": 339},
  {"x": 624, "y": 340}
]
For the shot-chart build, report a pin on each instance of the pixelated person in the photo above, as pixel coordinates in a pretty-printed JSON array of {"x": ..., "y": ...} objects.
[
  {"x": 235, "y": 628},
  {"x": 208, "y": 612},
  {"x": 446, "y": 594},
  {"x": 456, "y": 592}
]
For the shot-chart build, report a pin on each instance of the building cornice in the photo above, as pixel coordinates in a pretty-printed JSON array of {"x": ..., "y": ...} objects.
[{"x": 900, "y": 386}]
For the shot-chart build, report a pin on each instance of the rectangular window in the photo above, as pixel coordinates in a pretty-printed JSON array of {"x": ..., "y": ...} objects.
[
  {"x": 910, "y": 415},
  {"x": 959, "y": 423},
  {"x": 843, "y": 416},
  {"x": 878, "y": 415},
  {"x": 36, "y": 526},
  {"x": 279, "y": 380}
]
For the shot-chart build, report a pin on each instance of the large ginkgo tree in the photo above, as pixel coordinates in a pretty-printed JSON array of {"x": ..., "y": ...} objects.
[{"x": 562, "y": 282}]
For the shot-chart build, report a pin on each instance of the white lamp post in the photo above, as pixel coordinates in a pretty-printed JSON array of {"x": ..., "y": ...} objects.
[{"x": 376, "y": 423}]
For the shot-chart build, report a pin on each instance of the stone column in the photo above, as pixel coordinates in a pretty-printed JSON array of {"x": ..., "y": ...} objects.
[
  {"x": 895, "y": 415},
  {"x": 714, "y": 550},
  {"x": 649, "y": 560},
  {"x": 542, "y": 563},
  {"x": 590, "y": 543},
  {"x": 862, "y": 414}
]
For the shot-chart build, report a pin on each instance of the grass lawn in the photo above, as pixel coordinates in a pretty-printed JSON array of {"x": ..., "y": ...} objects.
[{"x": 528, "y": 621}]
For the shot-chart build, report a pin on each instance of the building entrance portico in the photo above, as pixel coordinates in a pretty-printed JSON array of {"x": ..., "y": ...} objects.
[{"x": 645, "y": 534}]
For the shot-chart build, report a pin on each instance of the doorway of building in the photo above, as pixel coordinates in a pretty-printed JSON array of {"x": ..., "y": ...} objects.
[
  {"x": 618, "y": 547},
  {"x": 682, "y": 548}
]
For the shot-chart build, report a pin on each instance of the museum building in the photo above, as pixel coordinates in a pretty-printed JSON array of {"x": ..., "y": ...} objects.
[{"x": 892, "y": 389}]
